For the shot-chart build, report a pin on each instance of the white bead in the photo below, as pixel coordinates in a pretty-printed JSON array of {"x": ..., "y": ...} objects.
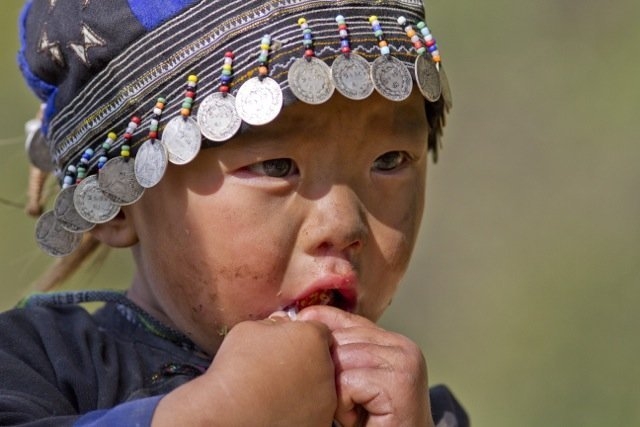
[
  {"x": 339, "y": 19},
  {"x": 385, "y": 50},
  {"x": 402, "y": 20},
  {"x": 157, "y": 111},
  {"x": 344, "y": 34}
]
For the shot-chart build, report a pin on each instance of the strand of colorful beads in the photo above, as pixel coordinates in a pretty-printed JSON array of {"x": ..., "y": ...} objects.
[
  {"x": 190, "y": 96},
  {"x": 155, "y": 119},
  {"x": 125, "y": 149},
  {"x": 345, "y": 45},
  {"x": 226, "y": 75},
  {"x": 377, "y": 31},
  {"x": 411, "y": 33},
  {"x": 104, "y": 149},
  {"x": 263, "y": 59},
  {"x": 307, "y": 38},
  {"x": 430, "y": 42}
]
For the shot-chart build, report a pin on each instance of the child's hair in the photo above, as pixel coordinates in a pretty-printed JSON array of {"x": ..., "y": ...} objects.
[{"x": 129, "y": 86}]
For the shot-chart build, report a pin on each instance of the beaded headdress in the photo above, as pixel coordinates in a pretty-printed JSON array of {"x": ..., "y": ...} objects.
[{"x": 129, "y": 85}]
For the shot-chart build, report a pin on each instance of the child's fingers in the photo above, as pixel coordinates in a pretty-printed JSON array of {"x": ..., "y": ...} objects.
[{"x": 333, "y": 317}]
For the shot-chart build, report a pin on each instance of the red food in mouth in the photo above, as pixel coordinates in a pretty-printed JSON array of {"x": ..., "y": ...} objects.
[{"x": 331, "y": 297}]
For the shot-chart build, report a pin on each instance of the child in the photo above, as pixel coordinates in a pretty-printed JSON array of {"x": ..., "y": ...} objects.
[{"x": 265, "y": 162}]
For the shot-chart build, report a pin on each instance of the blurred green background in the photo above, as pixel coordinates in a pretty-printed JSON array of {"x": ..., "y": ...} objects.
[{"x": 524, "y": 288}]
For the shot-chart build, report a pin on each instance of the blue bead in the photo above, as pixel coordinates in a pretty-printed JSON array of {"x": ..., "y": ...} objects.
[
  {"x": 344, "y": 43},
  {"x": 433, "y": 48}
]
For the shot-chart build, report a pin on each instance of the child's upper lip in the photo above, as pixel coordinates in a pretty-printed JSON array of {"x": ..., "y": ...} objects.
[{"x": 345, "y": 285}]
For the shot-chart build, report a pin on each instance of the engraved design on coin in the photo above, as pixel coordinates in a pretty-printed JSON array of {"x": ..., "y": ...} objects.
[
  {"x": 258, "y": 102},
  {"x": 92, "y": 204},
  {"x": 182, "y": 139},
  {"x": 66, "y": 214},
  {"x": 218, "y": 118},
  {"x": 150, "y": 163},
  {"x": 352, "y": 76},
  {"x": 391, "y": 78},
  {"x": 118, "y": 182},
  {"x": 53, "y": 239},
  {"x": 427, "y": 78},
  {"x": 310, "y": 80}
]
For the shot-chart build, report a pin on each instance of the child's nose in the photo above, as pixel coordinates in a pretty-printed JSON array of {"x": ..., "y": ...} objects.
[{"x": 336, "y": 223}]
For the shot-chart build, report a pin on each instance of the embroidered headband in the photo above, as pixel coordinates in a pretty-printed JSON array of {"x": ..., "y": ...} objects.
[{"x": 175, "y": 75}]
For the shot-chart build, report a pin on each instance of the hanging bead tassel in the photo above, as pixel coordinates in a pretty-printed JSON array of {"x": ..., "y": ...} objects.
[
  {"x": 430, "y": 42},
  {"x": 345, "y": 45},
  {"x": 377, "y": 31},
  {"x": 155, "y": 119},
  {"x": 190, "y": 96}
]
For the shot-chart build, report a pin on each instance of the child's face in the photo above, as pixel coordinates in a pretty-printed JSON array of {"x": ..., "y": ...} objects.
[{"x": 326, "y": 197}]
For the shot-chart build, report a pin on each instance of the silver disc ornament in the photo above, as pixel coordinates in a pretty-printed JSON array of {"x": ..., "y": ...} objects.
[
  {"x": 66, "y": 213},
  {"x": 92, "y": 204},
  {"x": 259, "y": 100},
  {"x": 37, "y": 149},
  {"x": 118, "y": 182},
  {"x": 53, "y": 239},
  {"x": 446, "y": 89},
  {"x": 351, "y": 75},
  {"x": 428, "y": 78},
  {"x": 151, "y": 163},
  {"x": 218, "y": 118},
  {"x": 182, "y": 138},
  {"x": 391, "y": 78},
  {"x": 310, "y": 80}
]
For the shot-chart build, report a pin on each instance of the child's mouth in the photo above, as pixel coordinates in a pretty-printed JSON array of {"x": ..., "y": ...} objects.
[{"x": 330, "y": 297}]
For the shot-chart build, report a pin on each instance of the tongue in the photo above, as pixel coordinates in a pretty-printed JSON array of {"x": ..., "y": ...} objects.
[{"x": 317, "y": 298}]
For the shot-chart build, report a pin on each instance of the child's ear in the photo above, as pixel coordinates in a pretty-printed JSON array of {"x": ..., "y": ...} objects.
[{"x": 117, "y": 233}]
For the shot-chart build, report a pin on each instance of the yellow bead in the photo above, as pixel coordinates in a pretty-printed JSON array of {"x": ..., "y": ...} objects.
[
  {"x": 373, "y": 18},
  {"x": 265, "y": 47},
  {"x": 112, "y": 135},
  {"x": 411, "y": 33},
  {"x": 301, "y": 21},
  {"x": 125, "y": 153},
  {"x": 193, "y": 78},
  {"x": 226, "y": 67}
]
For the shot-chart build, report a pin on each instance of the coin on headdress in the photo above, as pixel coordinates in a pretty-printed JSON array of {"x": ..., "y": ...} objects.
[
  {"x": 351, "y": 76},
  {"x": 428, "y": 78},
  {"x": 150, "y": 163},
  {"x": 182, "y": 138},
  {"x": 37, "y": 149},
  {"x": 446, "y": 89},
  {"x": 218, "y": 118},
  {"x": 118, "y": 182},
  {"x": 92, "y": 204},
  {"x": 391, "y": 78},
  {"x": 53, "y": 239},
  {"x": 259, "y": 100},
  {"x": 66, "y": 213},
  {"x": 310, "y": 80}
]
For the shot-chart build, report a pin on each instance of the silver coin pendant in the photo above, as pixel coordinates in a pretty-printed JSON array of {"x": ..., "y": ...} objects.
[
  {"x": 118, "y": 182},
  {"x": 53, "y": 239},
  {"x": 427, "y": 78},
  {"x": 182, "y": 138},
  {"x": 310, "y": 80},
  {"x": 351, "y": 76},
  {"x": 259, "y": 100},
  {"x": 391, "y": 78},
  {"x": 66, "y": 213},
  {"x": 150, "y": 163},
  {"x": 92, "y": 204},
  {"x": 218, "y": 118}
]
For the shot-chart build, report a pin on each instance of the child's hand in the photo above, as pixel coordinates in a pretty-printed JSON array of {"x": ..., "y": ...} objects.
[
  {"x": 381, "y": 376},
  {"x": 269, "y": 372}
]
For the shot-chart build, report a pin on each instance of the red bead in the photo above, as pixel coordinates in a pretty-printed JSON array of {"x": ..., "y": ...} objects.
[
  {"x": 190, "y": 94},
  {"x": 345, "y": 50},
  {"x": 342, "y": 26},
  {"x": 224, "y": 89},
  {"x": 431, "y": 42},
  {"x": 308, "y": 53},
  {"x": 229, "y": 54},
  {"x": 127, "y": 136},
  {"x": 135, "y": 120},
  {"x": 418, "y": 45},
  {"x": 153, "y": 135}
]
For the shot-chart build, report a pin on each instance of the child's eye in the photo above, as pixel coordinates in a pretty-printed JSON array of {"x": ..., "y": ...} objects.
[
  {"x": 275, "y": 168},
  {"x": 390, "y": 161}
]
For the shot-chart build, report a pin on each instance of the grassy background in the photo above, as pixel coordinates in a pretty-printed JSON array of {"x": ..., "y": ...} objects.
[{"x": 525, "y": 285}]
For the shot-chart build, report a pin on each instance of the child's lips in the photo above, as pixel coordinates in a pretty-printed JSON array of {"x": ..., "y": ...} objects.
[{"x": 335, "y": 293}]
